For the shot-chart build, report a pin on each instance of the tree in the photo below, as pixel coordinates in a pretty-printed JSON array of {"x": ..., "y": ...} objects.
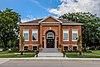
[
  {"x": 90, "y": 28},
  {"x": 21, "y": 43},
  {"x": 9, "y": 28},
  {"x": 79, "y": 43}
]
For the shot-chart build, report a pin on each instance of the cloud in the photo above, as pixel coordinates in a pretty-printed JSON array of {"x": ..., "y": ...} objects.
[
  {"x": 66, "y": 6},
  {"x": 28, "y": 18}
]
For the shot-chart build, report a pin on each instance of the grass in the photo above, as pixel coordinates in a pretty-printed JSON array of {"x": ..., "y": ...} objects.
[
  {"x": 13, "y": 55},
  {"x": 94, "y": 54},
  {"x": 73, "y": 55}
]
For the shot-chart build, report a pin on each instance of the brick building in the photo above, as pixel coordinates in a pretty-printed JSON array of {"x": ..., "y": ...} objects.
[{"x": 50, "y": 33}]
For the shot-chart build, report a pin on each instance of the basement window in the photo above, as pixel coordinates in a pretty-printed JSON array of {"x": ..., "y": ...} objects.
[
  {"x": 26, "y": 48},
  {"x": 65, "y": 47},
  {"x": 34, "y": 48}
]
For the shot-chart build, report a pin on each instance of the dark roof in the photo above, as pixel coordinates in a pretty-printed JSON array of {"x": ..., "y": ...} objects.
[{"x": 64, "y": 22}]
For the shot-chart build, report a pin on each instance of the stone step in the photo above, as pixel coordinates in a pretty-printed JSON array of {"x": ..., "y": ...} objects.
[
  {"x": 50, "y": 52},
  {"x": 50, "y": 55}
]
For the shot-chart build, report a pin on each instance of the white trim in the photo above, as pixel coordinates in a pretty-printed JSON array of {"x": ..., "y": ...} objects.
[
  {"x": 37, "y": 34},
  {"x": 28, "y": 34},
  {"x": 72, "y": 34},
  {"x": 73, "y": 46},
  {"x": 67, "y": 33},
  {"x": 50, "y": 22}
]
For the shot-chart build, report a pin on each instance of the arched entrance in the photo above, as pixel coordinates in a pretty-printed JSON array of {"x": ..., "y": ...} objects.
[{"x": 50, "y": 39}]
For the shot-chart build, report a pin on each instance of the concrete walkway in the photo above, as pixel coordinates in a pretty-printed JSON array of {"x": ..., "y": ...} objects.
[
  {"x": 50, "y": 52},
  {"x": 3, "y": 60},
  {"x": 49, "y": 63}
]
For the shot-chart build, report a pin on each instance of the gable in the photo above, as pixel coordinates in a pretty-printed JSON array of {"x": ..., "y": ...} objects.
[{"x": 50, "y": 19}]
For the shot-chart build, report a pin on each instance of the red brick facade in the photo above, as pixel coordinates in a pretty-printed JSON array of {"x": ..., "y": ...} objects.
[{"x": 54, "y": 25}]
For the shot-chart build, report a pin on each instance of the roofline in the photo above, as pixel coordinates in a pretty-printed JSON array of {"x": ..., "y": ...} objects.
[
  {"x": 72, "y": 24},
  {"x": 48, "y": 17}
]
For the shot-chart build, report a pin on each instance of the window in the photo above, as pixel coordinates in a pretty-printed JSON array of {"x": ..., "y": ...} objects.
[
  {"x": 74, "y": 35},
  {"x": 65, "y": 47},
  {"x": 50, "y": 35},
  {"x": 65, "y": 35},
  {"x": 25, "y": 34},
  {"x": 34, "y": 48},
  {"x": 35, "y": 35},
  {"x": 25, "y": 47},
  {"x": 74, "y": 48}
]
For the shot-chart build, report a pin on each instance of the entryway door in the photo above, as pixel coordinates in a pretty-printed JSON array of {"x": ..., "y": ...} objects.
[
  {"x": 50, "y": 43},
  {"x": 50, "y": 39}
]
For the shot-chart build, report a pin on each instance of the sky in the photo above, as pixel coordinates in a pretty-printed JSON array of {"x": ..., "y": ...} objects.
[{"x": 34, "y": 9}]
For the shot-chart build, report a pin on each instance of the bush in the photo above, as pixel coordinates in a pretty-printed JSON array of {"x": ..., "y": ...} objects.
[
  {"x": 72, "y": 51},
  {"x": 84, "y": 50},
  {"x": 89, "y": 51},
  {"x": 92, "y": 48},
  {"x": 98, "y": 48},
  {"x": 13, "y": 50}
]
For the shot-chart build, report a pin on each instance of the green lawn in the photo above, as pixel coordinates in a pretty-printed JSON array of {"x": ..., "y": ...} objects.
[
  {"x": 94, "y": 54},
  {"x": 73, "y": 55},
  {"x": 13, "y": 55}
]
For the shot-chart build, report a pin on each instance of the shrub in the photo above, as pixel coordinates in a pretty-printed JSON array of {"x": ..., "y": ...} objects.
[
  {"x": 13, "y": 50},
  {"x": 98, "y": 48},
  {"x": 92, "y": 48}
]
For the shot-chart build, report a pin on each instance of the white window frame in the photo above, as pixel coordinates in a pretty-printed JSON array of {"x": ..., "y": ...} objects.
[
  {"x": 67, "y": 33},
  {"x": 26, "y": 45},
  {"x": 75, "y": 46},
  {"x": 35, "y": 45},
  {"x": 37, "y": 34},
  {"x": 28, "y": 34},
  {"x": 72, "y": 34}
]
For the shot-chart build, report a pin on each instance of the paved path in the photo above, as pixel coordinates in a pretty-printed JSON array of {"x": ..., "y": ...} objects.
[
  {"x": 50, "y": 52},
  {"x": 3, "y": 61},
  {"x": 50, "y": 63}
]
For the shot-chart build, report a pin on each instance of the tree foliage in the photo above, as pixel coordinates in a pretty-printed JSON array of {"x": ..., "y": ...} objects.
[
  {"x": 90, "y": 28},
  {"x": 9, "y": 27}
]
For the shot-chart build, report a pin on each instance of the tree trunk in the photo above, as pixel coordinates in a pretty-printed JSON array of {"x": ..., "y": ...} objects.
[{"x": 5, "y": 45}]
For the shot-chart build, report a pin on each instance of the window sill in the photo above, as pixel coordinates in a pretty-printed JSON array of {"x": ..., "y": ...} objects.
[{"x": 65, "y": 40}]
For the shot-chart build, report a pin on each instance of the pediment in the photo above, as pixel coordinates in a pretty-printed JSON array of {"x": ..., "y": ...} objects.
[{"x": 50, "y": 19}]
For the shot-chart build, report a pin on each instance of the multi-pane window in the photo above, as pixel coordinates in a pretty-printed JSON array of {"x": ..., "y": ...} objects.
[
  {"x": 34, "y": 48},
  {"x": 65, "y": 47},
  {"x": 25, "y": 34},
  {"x": 35, "y": 35},
  {"x": 74, "y": 48},
  {"x": 74, "y": 35},
  {"x": 25, "y": 47},
  {"x": 65, "y": 35}
]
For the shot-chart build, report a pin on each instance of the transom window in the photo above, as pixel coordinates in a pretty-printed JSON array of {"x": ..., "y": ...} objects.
[
  {"x": 65, "y": 35},
  {"x": 74, "y": 35},
  {"x": 50, "y": 35},
  {"x": 35, "y": 35},
  {"x": 25, "y": 34}
]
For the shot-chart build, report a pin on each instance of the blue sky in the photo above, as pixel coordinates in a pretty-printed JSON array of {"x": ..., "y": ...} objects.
[
  {"x": 33, "y": 9},
  {"x": 30, "y": 8}
]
